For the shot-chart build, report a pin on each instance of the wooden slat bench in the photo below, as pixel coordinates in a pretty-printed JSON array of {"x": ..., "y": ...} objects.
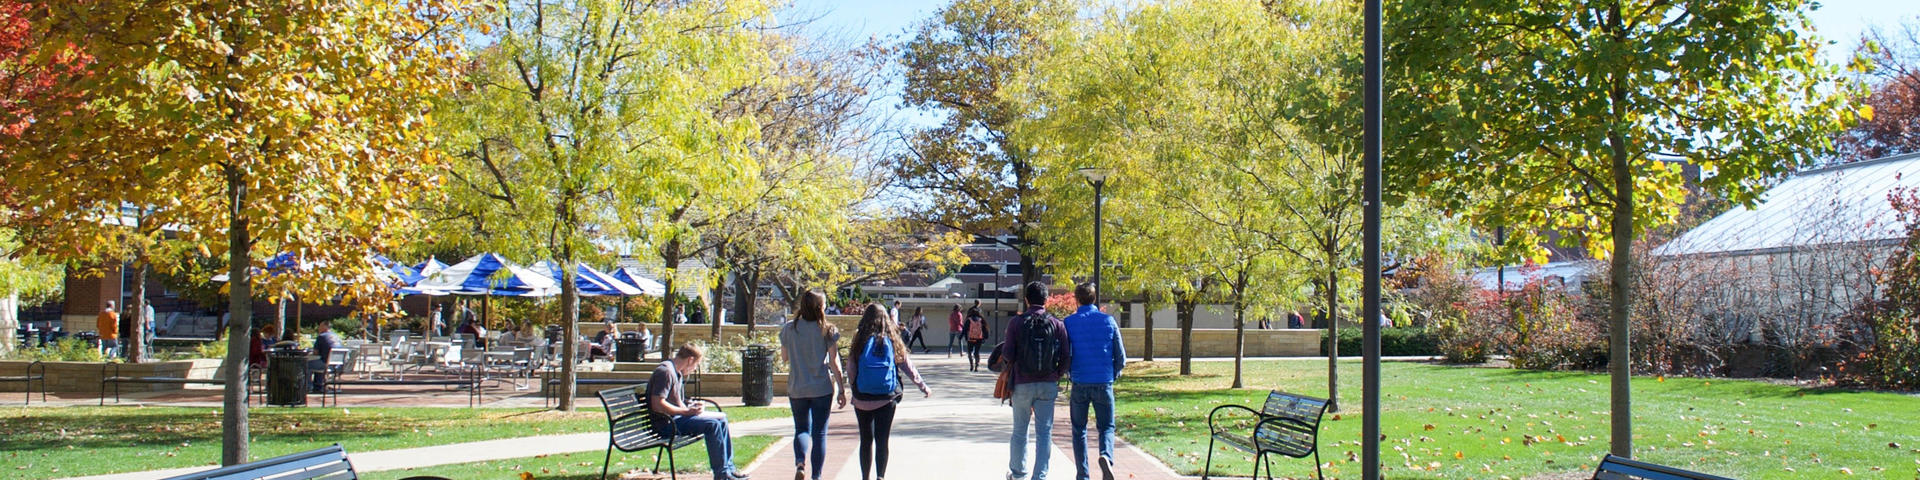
[
  {"x": 1287, "y": 425},
  {"x": 630, "y": 427},
  {"x": 328, "y": 463},
  {"x": 1619, "y": 468},
  {"x": 27, "y": 378}
]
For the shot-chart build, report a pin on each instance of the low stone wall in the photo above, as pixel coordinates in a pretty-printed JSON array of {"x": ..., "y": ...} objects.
[
  {"x": 688, "y": 332},
  {"x": 78, "y": 377},
  {"x": 1212, "y": 342},
  {"x": 719, "y": 386}
]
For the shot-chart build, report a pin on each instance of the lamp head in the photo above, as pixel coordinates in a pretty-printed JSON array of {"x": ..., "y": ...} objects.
[{"x": 1095, "y": 174}]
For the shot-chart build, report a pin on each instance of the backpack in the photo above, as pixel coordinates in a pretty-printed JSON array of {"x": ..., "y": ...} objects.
[
  {"x": 976, "y": 330},
  {"x": 876, "y": 378},
  {"x": 1039, "y": 346}
]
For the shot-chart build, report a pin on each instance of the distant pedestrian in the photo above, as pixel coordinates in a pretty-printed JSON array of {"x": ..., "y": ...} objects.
[
  {"x": 976, "y": 336},
  {"x": 1098, "y": 356},
  {"x": 436, "y": 325},
  {"x": 955, "y": 334},
  {"x": 1294, "y": 320},
  {"x": 811, "y": 347},
  {"x": 916, "y": 328},
  {"x": 876, "y": 367},
  {"x": 108, "y": 323},
  {"x": 1037, "y": 352}
]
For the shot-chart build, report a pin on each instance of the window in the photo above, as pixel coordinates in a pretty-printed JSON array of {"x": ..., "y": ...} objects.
[{"x": 978, "y": 268}]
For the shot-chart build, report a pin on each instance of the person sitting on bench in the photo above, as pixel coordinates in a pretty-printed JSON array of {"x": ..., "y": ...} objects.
[{"x": 668, "y": 401}]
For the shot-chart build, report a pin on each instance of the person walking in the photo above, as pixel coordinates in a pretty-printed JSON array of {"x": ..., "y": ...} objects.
[
  {"x": 875, "y": 386},
  {"x": 916, "y": 329},
  {"x": 108, "y": 323},
  {"x": 1037, "y": 351},
  {"x": 1098, "y": 356},
  {"x": 976, "y": 336},
  {"x": 668, "y": 403},
  {"x": 811, "y": 347},
  {"x": 955, "y": 333}
]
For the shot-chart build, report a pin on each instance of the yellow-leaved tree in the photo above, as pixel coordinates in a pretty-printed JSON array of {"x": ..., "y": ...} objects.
[{"x": 249, "y": 127}]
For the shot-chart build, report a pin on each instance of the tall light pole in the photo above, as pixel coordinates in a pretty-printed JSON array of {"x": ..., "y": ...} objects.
[
  {"x": 1098, "y": 177},
  {"x": 1370, "y": 319}
]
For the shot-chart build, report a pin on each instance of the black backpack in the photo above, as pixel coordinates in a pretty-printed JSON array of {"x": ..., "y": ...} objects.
[{"x": 1039, "y": 347}]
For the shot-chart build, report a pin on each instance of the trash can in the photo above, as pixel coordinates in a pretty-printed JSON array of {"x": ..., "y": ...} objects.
[
  {"x": 756, "y": 375},
  {"x": 287, "y": 378},
  {"x": 628, "y": 348}
]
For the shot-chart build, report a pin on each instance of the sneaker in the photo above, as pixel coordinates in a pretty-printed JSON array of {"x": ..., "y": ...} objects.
[
  {"x": 800, "y": 472},
  {"x": 1106, "y": 468},
  {"x": 1011, "y": 476}
]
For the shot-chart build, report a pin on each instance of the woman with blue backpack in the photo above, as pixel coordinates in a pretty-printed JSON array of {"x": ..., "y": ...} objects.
[
  {"x": 876, "y": 358},
  {"x": 811, "y": 347}
]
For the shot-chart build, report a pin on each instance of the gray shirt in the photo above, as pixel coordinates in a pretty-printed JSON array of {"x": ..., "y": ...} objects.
[
  {"x": 665, "y": 385},
  {"x": 809, "y": 375}
]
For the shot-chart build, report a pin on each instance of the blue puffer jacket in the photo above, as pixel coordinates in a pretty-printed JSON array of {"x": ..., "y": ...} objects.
[{"x": 1098, "y": 354}]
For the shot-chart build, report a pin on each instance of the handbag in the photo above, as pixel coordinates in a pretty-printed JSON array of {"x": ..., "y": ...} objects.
[{"x": 1003, "y": 388}]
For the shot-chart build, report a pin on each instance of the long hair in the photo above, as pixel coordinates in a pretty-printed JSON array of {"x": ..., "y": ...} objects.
[
  {"x": 874, "y": 321},
  {"x": 813, "y": 308}
]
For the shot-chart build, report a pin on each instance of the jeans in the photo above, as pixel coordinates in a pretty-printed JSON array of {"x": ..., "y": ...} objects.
[
  {"x": 719, "y": 440},
  {"x": 956, "y": 340},
  {"x": 973, "y": 355},
  {"x": 810, "y": 432},
  {"x": 1035, "y": 401},
  {"x": 110, "y": 348},
  {"x": 876, "y": 426},
  {"x": 1100, "y": 397}
]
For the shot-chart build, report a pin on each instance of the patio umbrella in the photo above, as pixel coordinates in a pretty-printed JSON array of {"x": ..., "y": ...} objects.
[
  {"x": 486, "y": 274},
  {"x": 592, "y": 282},
  {"x": 429, "y": 267},
  {"x": 647, "y": 286}
]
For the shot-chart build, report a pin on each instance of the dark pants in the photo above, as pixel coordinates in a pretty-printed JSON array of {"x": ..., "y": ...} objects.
[
  {"x": 810, "y": 432},
  {"x": 917, "y": 337},
  {"x": 973, "y": 354},
  {"x": 875, "y": 427}
]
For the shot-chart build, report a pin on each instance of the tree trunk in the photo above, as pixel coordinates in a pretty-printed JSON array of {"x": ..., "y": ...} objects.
[
  {"x": 137, "y": 348},
  {"x": 1183, "y": 308},
  {"x": 233, "y": 417},
  {"x": 1619, "y": 365},
  {"x": 9, "y": 321},
  {"x": 670, "y": 260},
  {"x": 1332, "y": 293},
  {"x": 280, "y": 317},
  {"x": 569, "y": 316},
  {"x": 744, "y": 297},
  {"x": 1239, "y": 327},
  {"x": 1147, "y": 336},
  {"x": 713, "y": 306}
]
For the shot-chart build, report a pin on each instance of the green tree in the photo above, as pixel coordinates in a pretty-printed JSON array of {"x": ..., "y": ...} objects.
[
  {"x": 251, "y": 126},
  {"x": 969, "y": 173},
  {"x": 593, "y": 122},
  {"x": 1575, "y": 116}
]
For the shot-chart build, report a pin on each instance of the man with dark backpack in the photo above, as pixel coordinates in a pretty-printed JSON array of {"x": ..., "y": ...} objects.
[{"x": 1037, "y": 352}]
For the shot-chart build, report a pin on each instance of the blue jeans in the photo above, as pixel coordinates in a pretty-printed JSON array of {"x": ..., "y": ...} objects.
[
  {"x": 956, "y": 341},
  {"x": 1035, "y": 401},
  {"x": 719, "y": 441},
  {"x": 1100, "y": 397},
  {"x": 810, "y": 432}
]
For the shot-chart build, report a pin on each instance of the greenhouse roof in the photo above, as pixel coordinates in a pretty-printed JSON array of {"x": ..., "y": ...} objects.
[{"x": 1834, "y": 205}]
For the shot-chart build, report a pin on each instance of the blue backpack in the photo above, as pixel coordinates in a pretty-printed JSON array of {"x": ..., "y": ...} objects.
[{"x": 876, "y": 379}]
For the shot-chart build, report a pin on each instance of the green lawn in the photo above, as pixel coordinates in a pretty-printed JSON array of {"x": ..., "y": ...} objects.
[
  {"x": 40, "y": 443},
  {"x": 586, "y": 465},
  {"x": 1457, "y": 422}
]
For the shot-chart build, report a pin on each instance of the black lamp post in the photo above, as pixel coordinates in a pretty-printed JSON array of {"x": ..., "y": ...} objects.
[{"x": 1098, "y": 177}]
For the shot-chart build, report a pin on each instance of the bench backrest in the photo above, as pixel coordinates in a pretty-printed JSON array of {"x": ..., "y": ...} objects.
[
  {"x": 1617, "y": 468},
  {"x": 328, "y": 463},
  {"x": 1297, "y": 437},
  {"x": 630, "y": 419}
]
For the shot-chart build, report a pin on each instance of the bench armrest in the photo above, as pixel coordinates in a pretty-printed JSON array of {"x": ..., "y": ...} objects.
[{"x": 1216, "y": 410}]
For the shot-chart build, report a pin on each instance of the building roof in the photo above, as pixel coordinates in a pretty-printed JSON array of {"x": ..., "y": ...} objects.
[{"x": 1833, "y": 205}]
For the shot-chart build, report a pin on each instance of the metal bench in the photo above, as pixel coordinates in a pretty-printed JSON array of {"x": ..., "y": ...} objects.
[
  {"x": 472, "y": 381},
  {"x": 1620, "y": 468},
  {"x": 630, "y": 427},
  {"x": 116, "y": 379},
  {"x": 1288, "y": 425},
  {"x": 328, "y": 463},
  {"x": 26, "y": 379},
  {"x": 690, "y": 383}
]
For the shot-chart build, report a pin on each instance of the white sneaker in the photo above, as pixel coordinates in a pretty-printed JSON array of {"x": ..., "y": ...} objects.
[{"x": 1106, "y": 468}]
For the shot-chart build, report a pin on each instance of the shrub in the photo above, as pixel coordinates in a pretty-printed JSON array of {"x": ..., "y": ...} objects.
[
  {"x": 725, "y": 356},
  {"x": 1890, "y": 357},
  {"x": 216, "y": 349},
  {"x": 1394, "y": 342},
  {"x": 1460, "y": 342},
  {"x": 65, "y": 350}
]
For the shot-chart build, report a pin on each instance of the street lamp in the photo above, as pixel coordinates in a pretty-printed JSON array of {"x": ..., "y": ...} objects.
[{"x": 1098, "y": 177}]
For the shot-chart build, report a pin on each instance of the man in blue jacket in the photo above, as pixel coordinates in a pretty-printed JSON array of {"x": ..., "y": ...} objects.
[{"x": 1098, "y": 356}]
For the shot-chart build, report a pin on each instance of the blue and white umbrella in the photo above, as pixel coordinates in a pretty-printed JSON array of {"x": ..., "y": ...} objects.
[
  {"x": 592, "y": 282},
  {"x": 429, "y": 267},
  {"x": 647, "y": 286},
  {"x": 486, "y": 274}
]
